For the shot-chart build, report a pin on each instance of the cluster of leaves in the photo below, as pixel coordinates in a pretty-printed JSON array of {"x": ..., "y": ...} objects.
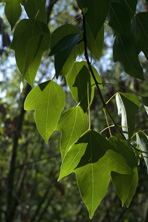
[{"x": 93, "y": 158}]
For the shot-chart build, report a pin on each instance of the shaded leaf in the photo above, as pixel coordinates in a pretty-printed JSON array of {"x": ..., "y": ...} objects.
[
  {"x": 62, "y": 51},
  {"x": 13, "y": 11},
  {"x": 29, "y": 46},
  {"x": 127, "y": 105},
  {"x": 47, "y": 99},
  {"x": 130, "y": 5},
  {"x": 93, "y": 158},
  {"x": 95, "y": 13},
  {"x": 142, "y": 141},
  {"x": 95, "y": 45},
  {"x": 126, "y": 53},
  {"x": 35, "y": 9},
  {"x": 119, "y": 19},
  {"x": 78, "y": 79},
  {"x": 125, "y": 186},
  {"x": 124, "y": 149},
  {"x": 133, "y": 186},
  {"x": 145, "y": 103},
  {"x": 59, "y": 34},
  {"x": 140, "y": 31},
  {"x": 73, "y": 123}
]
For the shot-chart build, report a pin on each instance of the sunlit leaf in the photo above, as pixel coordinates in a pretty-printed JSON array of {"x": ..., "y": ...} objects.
[
  {"x": 126, "y": 53},
  {"x": 13, "y": 11},
  {"x": 78, "y": 79},
  {"x": 93, "y": 158},
  {"x": 140, "y": 31},
  {"x": 35, "y": 9},
  {"x": 127, "y": 105},
  {"x": 73, "y": 123},
  {"x": 29, "y": 46},
  {"x": 47, "y": 99},
  {"x": 142, "y": 141}
]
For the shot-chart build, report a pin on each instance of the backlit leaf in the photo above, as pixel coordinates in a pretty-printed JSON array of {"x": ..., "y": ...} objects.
[
  {"x": 29, "y": 46},
  {"x": 78, "y": 79},
  {"x": 126, "y": 53},
  {"x": 93, "y": 158},
  {"x": 73, "y": 123},
  {"x": 47, "y": 99},
  {"x": 127, "y": 105}
]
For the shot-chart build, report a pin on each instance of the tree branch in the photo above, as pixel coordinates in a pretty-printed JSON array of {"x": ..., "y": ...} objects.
[
  {"x": 10, "y": 179},
  {"x": 93, "y": 75},
  {"x": 42, "y": 201},
  {"x": 49, "y": 9}
]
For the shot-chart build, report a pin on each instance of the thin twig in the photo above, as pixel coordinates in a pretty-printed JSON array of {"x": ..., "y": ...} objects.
[
  {"x": 93, "y": 75},
  {"x": 96, "y": 83}
]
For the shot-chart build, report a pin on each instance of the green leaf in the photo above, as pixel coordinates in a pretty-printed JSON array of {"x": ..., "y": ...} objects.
[
  {"x": 73, "y": 123},
  {"x": 13, "y": 11},
  {"x": 63, "y": 49},
  {"x": 78, "y": 79},
  {"x": 124, "y": 149},
  {"x": 127, "y": 105},
  {"x": 29, "y": 46},
  {"x": 126, "y": 53},
  {"x": 140, "y": 32},
  {"x": 59, "y": 34},
  {"x": 142, "y": 141},
  {"x": 119, "y": 19},
  {"x": 95, "y": 45},
  {"x": 130, "y": 5},
  {"x": 47, "y": 99},
  {"x": 125, "y": 186},
  {"x": 93, "y": 158},
  {"x": 62, "y": 32},
  {"x": 133, "y": 186},
  {"x": 35, "y": 9},
  {"x": 145, "y": 103},
  {"x": 95, "y": 13}
]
